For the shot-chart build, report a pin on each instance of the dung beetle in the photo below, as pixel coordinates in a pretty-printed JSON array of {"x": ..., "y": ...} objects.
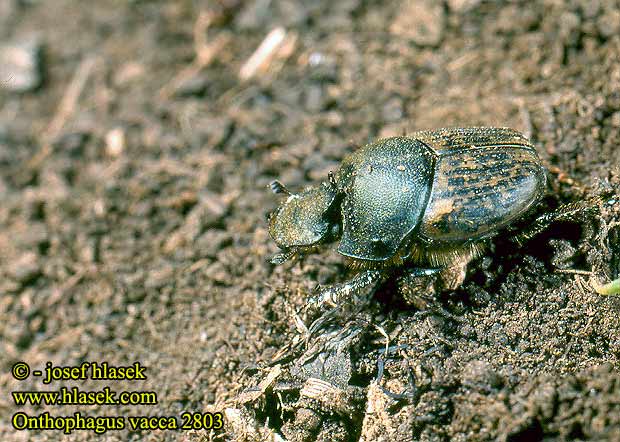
[{"x": 430, "y": 199}]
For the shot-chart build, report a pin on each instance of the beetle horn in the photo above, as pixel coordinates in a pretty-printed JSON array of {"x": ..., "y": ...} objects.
[{"x": 278, "y": 187}]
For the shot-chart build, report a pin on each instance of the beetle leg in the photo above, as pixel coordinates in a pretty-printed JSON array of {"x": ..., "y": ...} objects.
[
  {"x": 418, "y": 291},
  {"x": 281, "y": 258},
  {"x": 452, "y": 277},
  {"x": 335, "y": 294},
  {"x": 417, "y": 288},
  {"x": 418, "y": 272},
  {"x": 566, "y": 212}
]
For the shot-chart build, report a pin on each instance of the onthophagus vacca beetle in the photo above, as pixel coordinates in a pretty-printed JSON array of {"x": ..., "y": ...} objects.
[{"x": 431, "y": 199}]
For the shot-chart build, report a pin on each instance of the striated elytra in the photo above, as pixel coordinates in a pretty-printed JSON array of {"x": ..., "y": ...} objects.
[{"x": 430, "y": 198}]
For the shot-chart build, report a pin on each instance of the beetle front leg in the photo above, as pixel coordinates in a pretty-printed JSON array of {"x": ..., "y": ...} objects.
[{"x": 336, "y": 294}]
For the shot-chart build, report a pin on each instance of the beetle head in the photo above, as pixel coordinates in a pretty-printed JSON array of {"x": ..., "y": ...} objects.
[{"x": 305, "y": 219}]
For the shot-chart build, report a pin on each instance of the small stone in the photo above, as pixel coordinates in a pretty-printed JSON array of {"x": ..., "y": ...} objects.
[
  {"x": 460, "y": 6},
  {"x": 334, "y": 119},
  {"x": 25, "y": 269},
  {"x": 212, "y": 241},
  {"x": 293, "y": 13},
  {"x": 218, "y": 273},
  {"x": 254, "y": 15},
  {"x": 481, "y": 375},
  {"x": 128, "y": 72},
  {"x": 159, "y": 277},
  {"x": 20, "y": 65},
  {"x": 609, "y": 23},
  {"x": 304, "y": 427},
  {"x": 214, "y": 208},
  {"x": 314, "y": 98},
  {"x": 393, "y": 110},
  {"x": 569, "y": 28},
  {"x": 322, "y": 67},
  {"x": 421, "y": 21},
  {"x": 115, "y": 142},
  {"x": 563, "y": 253},
  {"x": 87, "y": 252},
  {"x": 589, "y": 8},
  {"x": 568, "y": 145},
  {"x": 193, "y": 86}
]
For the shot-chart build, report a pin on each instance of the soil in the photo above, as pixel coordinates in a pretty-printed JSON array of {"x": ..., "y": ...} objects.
[{"x": 134, "y": 197}]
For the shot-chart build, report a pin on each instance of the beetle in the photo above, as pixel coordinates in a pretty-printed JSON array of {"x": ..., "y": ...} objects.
[{"x": 431, "y": 199}]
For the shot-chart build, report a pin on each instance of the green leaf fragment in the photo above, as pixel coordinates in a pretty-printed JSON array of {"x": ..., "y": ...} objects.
[{"x": 611, "y": 288}]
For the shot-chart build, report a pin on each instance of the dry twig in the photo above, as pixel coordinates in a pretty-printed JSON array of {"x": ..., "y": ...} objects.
[
  {"x": 205, "y": 54},
  {"x": 65, "y": 110},
  {"x": 277, "y": 44}
]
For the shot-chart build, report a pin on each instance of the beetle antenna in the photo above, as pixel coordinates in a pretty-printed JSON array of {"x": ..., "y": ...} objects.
[
  {"x": 332, "y": 179},
  {"x": 278, "y": 187}
]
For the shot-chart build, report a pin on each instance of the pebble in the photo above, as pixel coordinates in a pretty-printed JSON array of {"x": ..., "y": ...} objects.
[
  {"x": 393, "y": 110},
  {"x": 609, "y": 23},
  {"x": 20, "y": 65},
  {"x": 128, "y": 72},
  {"x": 212, "y": 241},
  {"x": 614, "y": 120},
  {"x": 569, "y": 29},
  {"x": 481, "y": 375},
  {"x": 157, "y": 278},
  {"x": 420, "y": 21},
  {"x": 115, "y": 142},
  {"x": 460, "y": 6},
  {"x": 254, "y": 15},
  {"x": 25, "y": 268},
  {"x": 218, "y": 273},
  {"x": 192, "y": 86},
  {"x": 214, "y": 209},
  {"x": 315, "y": 98},
  {"x": 563, "y": 253}
]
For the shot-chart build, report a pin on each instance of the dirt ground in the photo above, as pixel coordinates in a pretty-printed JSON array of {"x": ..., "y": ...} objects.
[{"x": 134, "y": 197}]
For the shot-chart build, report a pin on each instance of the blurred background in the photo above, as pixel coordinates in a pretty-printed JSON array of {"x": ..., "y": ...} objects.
[{"x": 137, "y": 141}]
